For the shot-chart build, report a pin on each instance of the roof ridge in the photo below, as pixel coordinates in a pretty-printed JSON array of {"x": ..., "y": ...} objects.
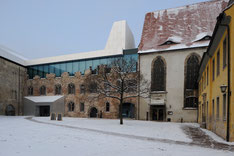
[{"x": 193, "y": 4}]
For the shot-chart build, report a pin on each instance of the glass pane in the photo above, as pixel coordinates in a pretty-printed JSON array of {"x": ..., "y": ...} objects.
[
  {"x": 88, "y": 64},
  {"x": 75, "y": 67},
  {"x": 40, "y": 71},
  {"x": 51, "y": 66},
  {"x": 63, "y": 67},
  {"x": 69, "y": 68},
  {"x": 82, "y": 67},
  {"x": 57, "y": 70},
  {"x": 34, "y": 71},
  {"x": 46, "y": 70},
  {"x": 103, "y": 61},
  {"x": 30, "y": 73},
  {"x": 95, "y": 63}
]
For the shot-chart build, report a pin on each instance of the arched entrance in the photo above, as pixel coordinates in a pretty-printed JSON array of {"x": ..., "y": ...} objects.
[
  {"x": 128, "y": 110},
  {"x": 93, "y": 112},
  {"x": 10, "y": 110}
]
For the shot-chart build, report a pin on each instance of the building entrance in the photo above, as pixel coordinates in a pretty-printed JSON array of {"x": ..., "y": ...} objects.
[
  {"x": 44, "y": 110},
  {"x": 157, "y": 113}
]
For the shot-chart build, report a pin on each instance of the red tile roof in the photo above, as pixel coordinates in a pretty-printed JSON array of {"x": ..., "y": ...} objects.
[{"x": 184, "y": 26}]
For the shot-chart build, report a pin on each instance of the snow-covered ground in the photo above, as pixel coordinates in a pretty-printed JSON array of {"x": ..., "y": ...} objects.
[
  {"x": 21, "y": 137},
  {"x": 161, "y": 130}
]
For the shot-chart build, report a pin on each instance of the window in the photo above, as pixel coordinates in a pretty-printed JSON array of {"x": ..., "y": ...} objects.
[
  {"x": 213, "y": 109},
  {"x": 82, "y": 89},
  {"x": 93, "y": 87},
  {"x": 192, "y": 70},
  {"x": 217, "y": 108},
  {"x": 218, "y": 63},
  {"x": 42, "y": 90},
  {"x": 30, "y": 91},
  {"x": 207, "y": 81},
  {"x": 191, "y": 76},
  {"x": 57, "y": 89},
  {"x": 158, "y": 75},
  {"x": 224, "y": 107},
  {"x": 213, "y": 71},
  {"x": 107, "y": 107},
  {"x": 191, "y": 102},
  {"x": 225, "y": 52},
  {"x": 71, "y": 88},
  {"x": 71, "y": 106},
  {"x": 82, "y": 107}
]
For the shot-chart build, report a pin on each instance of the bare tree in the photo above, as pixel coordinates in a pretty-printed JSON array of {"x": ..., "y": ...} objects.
[{"x": 119, "y": 80}]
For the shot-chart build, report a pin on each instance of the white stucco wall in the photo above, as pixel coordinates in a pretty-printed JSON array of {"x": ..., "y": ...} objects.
[{"x": 175, "y": 63}]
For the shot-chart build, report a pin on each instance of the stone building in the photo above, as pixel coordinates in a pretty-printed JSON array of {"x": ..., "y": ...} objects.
[
  {"x": 172, "y": 44},
  {"x": 12, "y": 82},
  {"x": 56, "y": 84}
]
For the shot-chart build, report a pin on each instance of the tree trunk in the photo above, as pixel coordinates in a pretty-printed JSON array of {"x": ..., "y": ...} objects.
[{"x": 121, "y": 112}]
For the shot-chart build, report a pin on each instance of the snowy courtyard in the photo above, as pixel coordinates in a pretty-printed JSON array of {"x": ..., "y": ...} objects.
[{"x": 26, "y": 136}]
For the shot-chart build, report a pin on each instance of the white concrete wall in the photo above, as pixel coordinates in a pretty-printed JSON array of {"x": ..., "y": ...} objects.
[{"x": 175, "y": 63}]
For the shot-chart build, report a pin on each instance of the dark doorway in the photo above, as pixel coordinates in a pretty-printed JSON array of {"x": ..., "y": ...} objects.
[
  {"x": 157, "y": 113},
  {"x": 128, "y": 110},
  {"x": 93, "y": 112},
  {"x": 10, "y": 110},
  {"x": 44, "y": 110}
]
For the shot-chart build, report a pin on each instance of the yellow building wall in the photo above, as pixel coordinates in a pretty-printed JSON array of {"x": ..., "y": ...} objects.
[
  {"x": 214, "y": 119},
  {"x": 230, "y": 12}
]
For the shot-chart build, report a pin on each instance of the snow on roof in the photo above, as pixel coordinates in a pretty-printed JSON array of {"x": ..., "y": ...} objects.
[
  {"x": 11, "y": 55},
  {"x": 183, "y": 25},
  {"x": 43, "y": 98}
]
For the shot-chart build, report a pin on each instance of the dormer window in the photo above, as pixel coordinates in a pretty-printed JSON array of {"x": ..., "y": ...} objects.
[
  {"x": 205, "y": 38},
  {"x": 168, "y": 43}
]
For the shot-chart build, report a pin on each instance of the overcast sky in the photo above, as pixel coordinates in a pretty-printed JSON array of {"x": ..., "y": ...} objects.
[{"x": 42, "y": 28}]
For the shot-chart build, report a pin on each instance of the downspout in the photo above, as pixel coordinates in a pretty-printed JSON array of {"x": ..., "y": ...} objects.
[
  {"x": 228, "y": 85},
  {"x": 19, "y": 93},
  {"x": 138, "y": 103}
]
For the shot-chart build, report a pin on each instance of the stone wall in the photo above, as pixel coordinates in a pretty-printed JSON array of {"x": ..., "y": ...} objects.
[
  {"x": 12, "y": 82},
  {"x": 90, "y": 100}
]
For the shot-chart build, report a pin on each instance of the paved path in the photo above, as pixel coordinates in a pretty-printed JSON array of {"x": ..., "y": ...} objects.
[{"x": 198, "y": 136}]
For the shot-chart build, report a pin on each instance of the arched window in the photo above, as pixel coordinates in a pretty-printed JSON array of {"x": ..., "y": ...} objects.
[
  {"x": 107, "y": 107},
  {"x": 93, "y": 87},
  {"x": 71, "y": 88},
  {"x": 30, "y": 90},
  {"x": 82, "y": 89},
  {"x": 158, "y": 75},
  {"x": 71, "y": 106},
  {"x": 57, "y": 89},
  {"x": 191, "y": 85},
  {"x": 192, "y": 69},
  {"x": 42, "y": 90}
]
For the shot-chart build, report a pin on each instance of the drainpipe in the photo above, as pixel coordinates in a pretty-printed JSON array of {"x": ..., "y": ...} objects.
[
  {"x": 228, "y": 91},
  {"x": 138, "y": 103},
  {"x": 19, "y": 93}
]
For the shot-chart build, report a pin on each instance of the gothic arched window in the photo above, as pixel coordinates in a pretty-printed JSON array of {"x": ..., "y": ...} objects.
[
  {"x": 192, "y": 69},
  {"x": 191, "y": 85},
  {"x": 71, "y": 88},
  {"x": 158, "y": 75},
  {"x": 57, "y": 89},
  {"x": 71, "y": 106},
  {"x": 42, "y": 90}
]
